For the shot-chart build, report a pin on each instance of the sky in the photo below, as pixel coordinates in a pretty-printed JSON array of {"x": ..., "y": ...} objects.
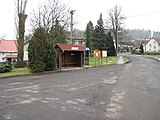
[{"x": 140, "y": 14}]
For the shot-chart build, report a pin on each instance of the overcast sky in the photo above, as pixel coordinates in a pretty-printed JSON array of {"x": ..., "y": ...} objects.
[{"x": 140, "y": 13}]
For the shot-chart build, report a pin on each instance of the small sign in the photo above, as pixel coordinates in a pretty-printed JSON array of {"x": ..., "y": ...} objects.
[
  {"x": 74, "y": 48},
  {"x": 104, "y": 53},
  {"x": 97, "y": 54}
]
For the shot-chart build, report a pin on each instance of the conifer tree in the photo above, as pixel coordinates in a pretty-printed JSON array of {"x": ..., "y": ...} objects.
[
  {"x": 89, "y": 35},
  {"x": 99, "y": 35},
  {"x": 41, "y": 52},
  {"x": 57, "y": 33},
  {"x": 110, "y": 45},
  {"x": 142, "y": 50}
]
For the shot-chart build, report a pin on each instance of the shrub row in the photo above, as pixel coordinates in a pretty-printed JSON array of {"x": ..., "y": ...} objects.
[
  {"x": 152, "y": 53},
  {"x": 5, "y": 68}
]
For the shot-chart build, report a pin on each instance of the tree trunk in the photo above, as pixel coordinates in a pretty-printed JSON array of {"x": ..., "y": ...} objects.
[{"x": 22, "y": 17}]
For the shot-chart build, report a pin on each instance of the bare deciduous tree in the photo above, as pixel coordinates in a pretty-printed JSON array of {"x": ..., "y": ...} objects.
[
  {"x": 47, "y": 14},
  {"x": 21, "y": 15},
  {"x": 115, "y": 22},
  {"x": 3, "y": 37}
]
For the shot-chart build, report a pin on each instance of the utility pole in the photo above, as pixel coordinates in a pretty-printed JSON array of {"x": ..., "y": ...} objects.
[{"x": 72, "y": 12}]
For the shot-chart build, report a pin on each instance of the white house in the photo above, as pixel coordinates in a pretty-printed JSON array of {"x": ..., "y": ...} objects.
[
  {"x": 8, "y": 50},
  {"x": 76, "y": 41},
  {"x": 151, "y": 46}
]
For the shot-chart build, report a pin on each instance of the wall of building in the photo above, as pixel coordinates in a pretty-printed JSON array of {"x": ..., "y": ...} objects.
[
  {"x": 152, "y": 46},
  {"x": 3, "y": 54},
  {"x": 25, "y": 58}
]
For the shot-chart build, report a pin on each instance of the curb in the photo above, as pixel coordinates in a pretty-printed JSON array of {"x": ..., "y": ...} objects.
[
  {"x": 152, "y": 57},
  {"x": 63, "y": 70},
  {"x": 124, "y": 61},
  {"x": 128, "y": 60}
]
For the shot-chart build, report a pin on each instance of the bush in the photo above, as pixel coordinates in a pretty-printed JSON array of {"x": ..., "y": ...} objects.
[
  {"x": 5, "y": 68},
  {"x": 41, "y": 52},
  {"x": 152, "y": 53}
]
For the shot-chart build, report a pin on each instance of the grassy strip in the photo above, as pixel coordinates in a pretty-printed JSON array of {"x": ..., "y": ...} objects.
[
  {"x": 126, "y": 59},
  {"x": 25, "y": 71},
  {"x": 16, "y": 71},
  {"x": 102, "y": 61}
]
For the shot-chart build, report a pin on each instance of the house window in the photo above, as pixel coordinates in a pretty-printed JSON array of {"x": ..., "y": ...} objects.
[
  {"x": 74, "y": 42},
  {"x": 150, "y": 45},
  {"x": 154, "y": 42},
  {"x": 80, "y": 42},
  {"x": 154, "y": 47}
]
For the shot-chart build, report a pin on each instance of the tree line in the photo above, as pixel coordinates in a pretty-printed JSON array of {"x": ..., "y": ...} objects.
[
  {"x": 99, "y": 38},
  {"x": 50, "y": 23}
]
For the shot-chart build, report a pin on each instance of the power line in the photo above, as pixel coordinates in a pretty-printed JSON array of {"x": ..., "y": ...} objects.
[{"x": 145, "y": 14}]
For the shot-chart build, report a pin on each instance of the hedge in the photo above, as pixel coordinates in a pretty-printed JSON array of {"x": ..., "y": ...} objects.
[
  {"x": 5, "y": 68},
  {"x": 152, "y": 53}
]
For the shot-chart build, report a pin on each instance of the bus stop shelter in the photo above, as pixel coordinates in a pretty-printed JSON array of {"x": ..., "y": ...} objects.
[{"x": 70, "y": 55}]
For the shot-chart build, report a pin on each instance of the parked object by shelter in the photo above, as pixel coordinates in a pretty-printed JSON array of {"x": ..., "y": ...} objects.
[
  {"x": 87, "y": 54},
  {"x": 70, "y": 55}
]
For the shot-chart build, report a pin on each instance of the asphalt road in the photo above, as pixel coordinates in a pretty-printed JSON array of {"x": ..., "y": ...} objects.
[{"x": 117, "y": 92}]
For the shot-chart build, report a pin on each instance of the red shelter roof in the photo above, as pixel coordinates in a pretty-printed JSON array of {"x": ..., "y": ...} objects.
[
  {"x": 8, "y": 46},
  {"x": 71, "y": 47}
]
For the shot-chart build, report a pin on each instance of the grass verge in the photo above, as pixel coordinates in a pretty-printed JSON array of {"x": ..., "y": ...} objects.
[
  {"x": 92, "y": 62},
  {"x": 16, "y": 71},
  {"x": 102, "y": 61},
  {"x": 126, "y": 59}
]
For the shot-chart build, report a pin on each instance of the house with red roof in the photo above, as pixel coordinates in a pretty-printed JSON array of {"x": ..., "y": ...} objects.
[
  {"x": 8, "y": 51},
  {"x": 68, "y": 54}
]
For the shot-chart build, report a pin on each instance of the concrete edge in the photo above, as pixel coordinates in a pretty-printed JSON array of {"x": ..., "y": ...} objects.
[
  {"x": 62, "y": 70},
  {"x": 152, "y": 57},
  {"x": 128, "y": 60},
  {"x": 124, "y": 61}
]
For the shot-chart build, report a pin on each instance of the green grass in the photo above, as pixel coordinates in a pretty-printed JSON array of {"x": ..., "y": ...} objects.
[
  {"x": 25, "y": 71},
  {"x": 2, "y": 65},
  {"x": 126, "y": 59},
  {"x": 16, "y": 71},
  {"x": 102, "y": 61}
]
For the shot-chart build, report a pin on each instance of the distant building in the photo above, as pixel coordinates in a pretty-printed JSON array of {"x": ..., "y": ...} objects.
[
  {"x": 151, "y": 46},
  {"x": 8, "y": 51},
  {"x": 76, "y": 41}
]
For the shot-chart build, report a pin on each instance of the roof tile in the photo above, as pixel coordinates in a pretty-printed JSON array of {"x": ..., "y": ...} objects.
[
  {"x": 8, "y": 46},
  {"x": 71, "y": 47}
]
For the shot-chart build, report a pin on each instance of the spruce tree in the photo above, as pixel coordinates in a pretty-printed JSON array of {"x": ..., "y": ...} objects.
[
  {"x": 89, "y": 35},
  {"x": 142, "y": 50},
  {"x": 99, "y": 35},
  {"x": 50, "y": 57},
  {"x": 57, "y": 33},
  {"x": 41, "y": 52},
  {"x": 110, "y": 45}
]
